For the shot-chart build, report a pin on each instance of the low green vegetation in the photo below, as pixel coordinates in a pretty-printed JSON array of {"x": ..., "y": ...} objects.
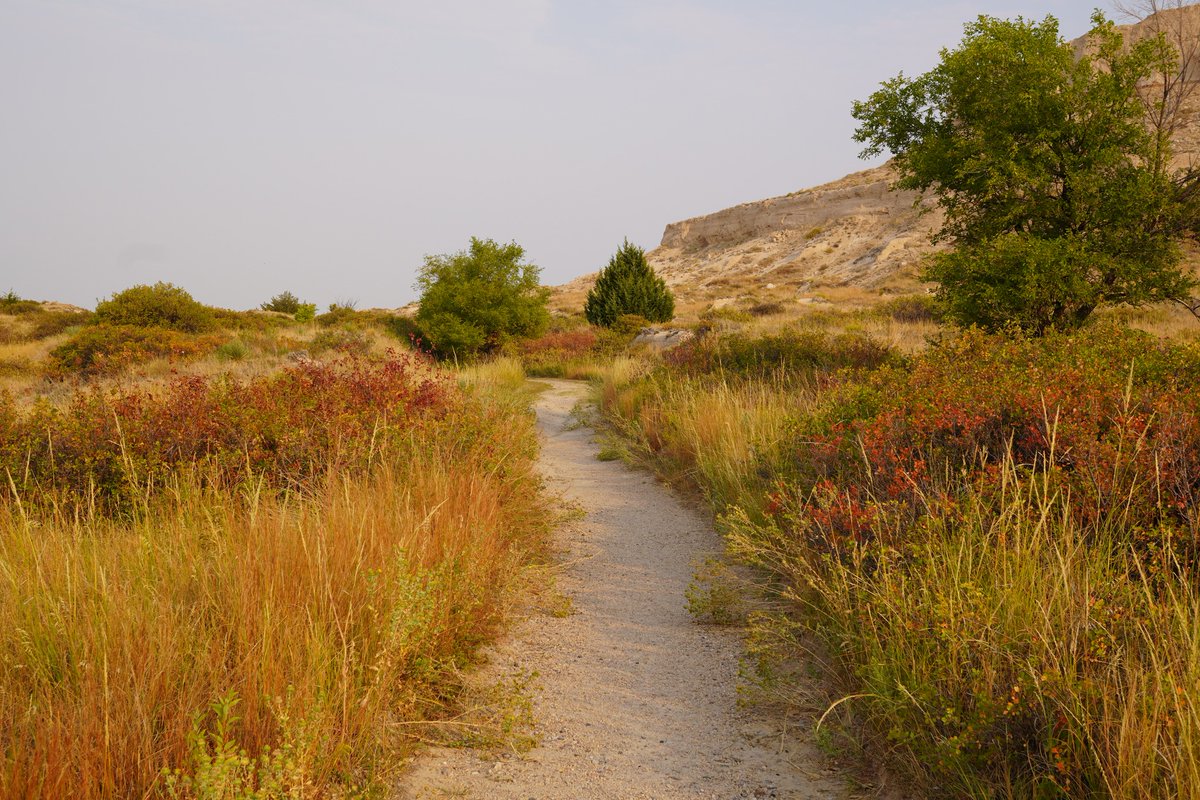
[
  {"x": 149, "y": 330},
  {"x": 13, "y": 304},
  {"x": 306, "y": 312},
  {"x": 105, "y": 348},
  {"x": 573, "y": 349},
  {"x": 338, "y": 313}
]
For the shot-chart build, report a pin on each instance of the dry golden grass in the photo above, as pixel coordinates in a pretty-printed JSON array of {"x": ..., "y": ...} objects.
[
  {"x": 21, "y": 363},
  {"x": 244, "y": 643},
  {"x": 1167, "y": 320},
  {"x": 908, "y": 337},
  {"x": 24, "y": 365}
]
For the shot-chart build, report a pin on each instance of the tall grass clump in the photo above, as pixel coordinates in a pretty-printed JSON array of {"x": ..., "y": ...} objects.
[
  {"x": 709, "y": 435},
  {"x": 992, "y": 547},
  {"x": 250, "y": 588},
  {"x": 788, "y": 354},
  {"x": 501, "y": 376}
]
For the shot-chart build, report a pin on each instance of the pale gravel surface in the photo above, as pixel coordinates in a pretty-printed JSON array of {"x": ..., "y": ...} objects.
[{"x": 635, "y": 699}]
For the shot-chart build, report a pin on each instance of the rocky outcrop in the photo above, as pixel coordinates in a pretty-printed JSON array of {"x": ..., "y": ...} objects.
[
  {"x": 854, "y": 231},
  {"x": 663, "y": 338}
]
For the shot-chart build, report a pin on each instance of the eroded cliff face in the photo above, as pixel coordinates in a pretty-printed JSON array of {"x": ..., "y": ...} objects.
[{"x": 853, "y": 232}]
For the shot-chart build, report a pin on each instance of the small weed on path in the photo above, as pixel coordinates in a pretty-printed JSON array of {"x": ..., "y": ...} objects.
[{"x": 717, "y": 594}]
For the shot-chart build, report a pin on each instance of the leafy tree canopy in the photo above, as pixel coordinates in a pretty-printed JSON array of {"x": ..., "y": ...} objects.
[
  {"x": 475, "y": 299},
  {"x": 1058, "y": 197},
  {"x": 628, "y": 286}
]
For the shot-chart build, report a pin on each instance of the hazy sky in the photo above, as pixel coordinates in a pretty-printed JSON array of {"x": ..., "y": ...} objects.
[{"x": 242, "y": 147}]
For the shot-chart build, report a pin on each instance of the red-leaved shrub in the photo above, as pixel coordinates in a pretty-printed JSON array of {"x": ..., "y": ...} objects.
[
  {"x": 109, "y": 447},
  {"x": 1109, "y": 415}
]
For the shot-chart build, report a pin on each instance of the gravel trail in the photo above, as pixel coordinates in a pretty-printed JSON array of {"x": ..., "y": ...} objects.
[{"x": 635, "y": 699}]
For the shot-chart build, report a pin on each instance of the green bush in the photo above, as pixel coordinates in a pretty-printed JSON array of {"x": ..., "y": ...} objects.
[
  {"x": 630, "y": 324},
  {"x": 727, "y": 313},
  {"x": 791, "y": 354},
  {"x": 52, "y": 323},
  {"x": 766, "y": 308},
  {"x": 628, "y": 286},
  {"x": 337, "y": 314},
  {"x": 306, "y": 312},
  {"x": 284, "y": 303},
  {"x": 245, "y": 320},
  {"x": 40, "y": 325},
  {"x": 162, "y": 305},
  {"x": 344, "y": 340},
  {"x": 554, "y": 353},
  {"x": 475, "y": 300},
  {"x": 403, "y": 328},
  {"x": 11, "y": 303}
]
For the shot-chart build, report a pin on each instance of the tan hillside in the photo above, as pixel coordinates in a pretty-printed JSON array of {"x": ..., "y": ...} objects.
[
  {"x": 850, "y": 239},
  {"x": 853, "y": 232}
]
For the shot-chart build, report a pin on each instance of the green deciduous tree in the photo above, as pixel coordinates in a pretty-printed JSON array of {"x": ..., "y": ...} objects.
[
  {"x": 628, "y": 286},
  {"x": 1058, "y": 196},
  {"x": 475, "y": 299}
]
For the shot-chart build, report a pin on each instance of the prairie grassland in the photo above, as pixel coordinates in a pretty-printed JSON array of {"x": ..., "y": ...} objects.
[
  {"x": 258, "y": 631},
  {"x": 20, "y": 363},
  {"x": 989, "y": 548},
  {"x": 711, "y": 437},
  {"x": 43, "y": 360}
]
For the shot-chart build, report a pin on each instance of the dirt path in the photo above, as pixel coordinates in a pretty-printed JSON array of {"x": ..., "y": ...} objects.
[{"x": 636, "y": 699}]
